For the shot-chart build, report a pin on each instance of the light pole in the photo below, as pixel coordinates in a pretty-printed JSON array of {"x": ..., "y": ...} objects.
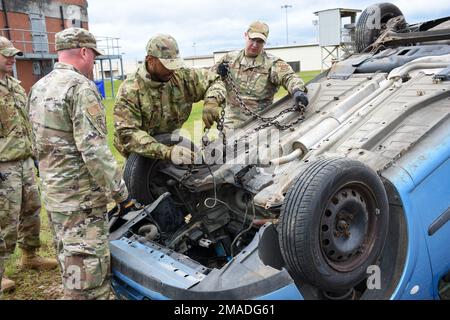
[
  {"x": 195, "y": 53},
  {"x": 122, "y": 75},
  {"x": 316, "y": 25},
  {"x": 286, "y": 6}
]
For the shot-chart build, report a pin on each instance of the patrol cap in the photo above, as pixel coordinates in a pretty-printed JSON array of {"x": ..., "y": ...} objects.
[
  {"x": 7, "y": 49},
  {"x": 72, "y": 38},
  {"x": 258, "y": 29},
  {"x": 165, "y": 48}
]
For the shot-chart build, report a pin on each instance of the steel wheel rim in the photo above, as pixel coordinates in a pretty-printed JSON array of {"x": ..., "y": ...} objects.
[{"x": 348, "y": 227}]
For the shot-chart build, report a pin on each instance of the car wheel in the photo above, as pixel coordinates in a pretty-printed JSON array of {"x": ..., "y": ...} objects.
[
  {"x": 372, "y": 20},
  {"x": 333, "y": 223}
]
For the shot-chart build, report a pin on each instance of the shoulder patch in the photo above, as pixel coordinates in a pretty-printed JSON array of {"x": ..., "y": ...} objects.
[
  {"x": 271, "y": 57},
  {"x": 94, "y": 109},
  {"x": 96, "y": 117},
  {"x": 3, "y": 91},
  {"x": 284, "y": 67}
]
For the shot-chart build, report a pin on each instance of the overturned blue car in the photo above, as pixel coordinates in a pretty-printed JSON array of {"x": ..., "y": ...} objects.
[{"x": 351, "y": 202}]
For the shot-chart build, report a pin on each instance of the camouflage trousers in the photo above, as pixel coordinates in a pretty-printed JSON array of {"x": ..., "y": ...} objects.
[
  {"x": 2, "y": 253},
  {"x": 83, "y": 253},
  {"x": 19, "y": 207}
]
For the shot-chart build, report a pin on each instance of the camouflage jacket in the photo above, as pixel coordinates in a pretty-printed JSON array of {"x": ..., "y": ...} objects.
[
  {"x": 258, "y": 80},
  {"x": 69, "y": 133},
  {"x": 15, "y": 142},
  {"x": 145, "y": 107}
]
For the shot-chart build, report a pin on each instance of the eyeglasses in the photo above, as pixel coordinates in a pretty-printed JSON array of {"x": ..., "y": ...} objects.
[{"x": 256, "y": 40}]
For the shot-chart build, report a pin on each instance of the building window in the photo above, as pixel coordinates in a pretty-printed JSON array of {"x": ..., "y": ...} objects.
[
  {"x": 76, "y": 23},
  {"x": 36, "y": 68},
  {"x": 295, "y": 65},
  {"x": 38, "y": 33}
]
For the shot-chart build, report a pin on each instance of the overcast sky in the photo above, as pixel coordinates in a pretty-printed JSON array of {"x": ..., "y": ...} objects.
[{"x": 202, "y": 27}]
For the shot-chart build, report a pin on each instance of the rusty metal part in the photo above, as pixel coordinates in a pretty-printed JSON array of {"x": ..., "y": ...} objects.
[
  {"x": 261, "y": 222},
  {"x": 347, "y": 227}
]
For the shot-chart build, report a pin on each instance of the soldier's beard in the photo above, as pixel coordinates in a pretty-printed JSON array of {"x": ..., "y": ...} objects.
[
  {"x": 160, "y": 78},
  {"x": 158, "y": 72}
]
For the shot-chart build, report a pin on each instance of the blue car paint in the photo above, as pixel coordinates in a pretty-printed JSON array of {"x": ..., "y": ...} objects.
[
  {"x": 417, "y": 269},
  {"x": 289, "y": 292},
  {"x": 160, "y": 265},
  {"x": 422, "y": 179},
  {"x": 435, "y": 204},
  {"x": 130, "y": 289}
]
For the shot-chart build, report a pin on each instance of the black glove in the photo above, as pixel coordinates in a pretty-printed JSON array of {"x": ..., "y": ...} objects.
[
  {"x": 300, "y": 98},
  {"x": 223, "y": 69},
  {"x": 36, "y": 164},
  {"x": 2, "y": 177}
]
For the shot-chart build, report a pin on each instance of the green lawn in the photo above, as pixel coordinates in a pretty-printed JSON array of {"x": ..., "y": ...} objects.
[
  {"x": 108, "y": 86},
  {"x": 31, "y": 284},
  {"x": 305, "y": 75}
]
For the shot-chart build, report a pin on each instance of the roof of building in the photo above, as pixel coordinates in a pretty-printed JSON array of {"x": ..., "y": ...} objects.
[
  {"x": 343, "y": 10},
  {"x": 206, "y": 56},
  {"x": 277, "y": 47}
]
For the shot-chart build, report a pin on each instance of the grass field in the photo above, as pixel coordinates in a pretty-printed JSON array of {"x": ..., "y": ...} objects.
[{"x": 46, "y": 285}]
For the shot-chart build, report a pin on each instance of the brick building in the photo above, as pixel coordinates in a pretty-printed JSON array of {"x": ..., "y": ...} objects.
[{"x": 32, "y": 25}]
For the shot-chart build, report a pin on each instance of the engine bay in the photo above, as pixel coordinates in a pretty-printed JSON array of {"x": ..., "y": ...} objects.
[{"x": 208, "y": 229}]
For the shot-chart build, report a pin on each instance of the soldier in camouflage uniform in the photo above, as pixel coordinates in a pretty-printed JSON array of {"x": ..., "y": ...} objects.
[
  {"x": 19, "y": 198},
  {"x": 76, "y": 166},
  {"x": 2, "y": 253},
  {"x": 158, "y": 99},
  {"x": 258, "y": 76}
]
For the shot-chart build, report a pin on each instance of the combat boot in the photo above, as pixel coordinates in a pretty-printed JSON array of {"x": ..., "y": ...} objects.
[
  {"x": 30, "y": 260},
  {"x": 7, "y": 285}
]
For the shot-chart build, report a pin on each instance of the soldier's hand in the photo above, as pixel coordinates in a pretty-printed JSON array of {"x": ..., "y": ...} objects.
[
  {"x": 180, "y": 155},
  {"x": 223, "y": 69},
  {"x": 300, "y": 98},
  {"x": 211, "y": 113}
]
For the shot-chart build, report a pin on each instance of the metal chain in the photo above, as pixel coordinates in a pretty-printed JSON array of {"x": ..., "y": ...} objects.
[
  {"x": 187, "y": 174},
  {"x": 268, "y": 121},
  {"x": 220, "y": 128}
]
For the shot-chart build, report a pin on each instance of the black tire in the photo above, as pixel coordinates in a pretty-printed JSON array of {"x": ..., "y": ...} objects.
[
  {"x": 333, "y": 223},
  {"x": 142, "y": 175},
  {"x": 365, "y": 33}
]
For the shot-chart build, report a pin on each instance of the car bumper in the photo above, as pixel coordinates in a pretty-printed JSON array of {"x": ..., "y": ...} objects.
[{"x": 149, "y": 271}]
